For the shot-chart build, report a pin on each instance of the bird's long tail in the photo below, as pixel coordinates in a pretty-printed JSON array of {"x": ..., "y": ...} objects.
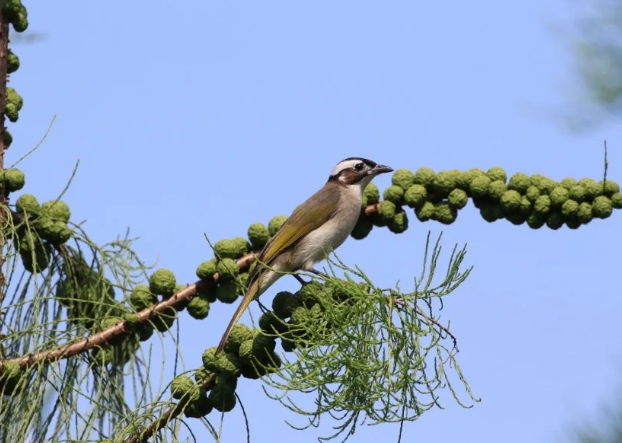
[{"x": 251, "y": 293}]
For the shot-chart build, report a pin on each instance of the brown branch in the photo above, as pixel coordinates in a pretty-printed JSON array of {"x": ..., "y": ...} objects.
[
  {"x": 170, "y": 413},
  {"x": 4, "y": 50}
]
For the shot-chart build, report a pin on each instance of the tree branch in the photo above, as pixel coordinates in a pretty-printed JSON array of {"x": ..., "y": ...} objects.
[
  {"x": 4, "y": 50},
  {"x": 124, "y": 327}
]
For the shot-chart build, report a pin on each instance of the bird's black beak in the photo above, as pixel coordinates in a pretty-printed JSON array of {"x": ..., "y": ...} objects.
[{"x": 380, "y": 169}]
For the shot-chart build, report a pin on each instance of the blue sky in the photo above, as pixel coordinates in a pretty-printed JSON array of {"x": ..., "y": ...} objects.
[{"x": 204, "y": 117}]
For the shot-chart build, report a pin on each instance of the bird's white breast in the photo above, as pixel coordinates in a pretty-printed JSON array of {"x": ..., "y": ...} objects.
[{"x": 334, "y": 232}]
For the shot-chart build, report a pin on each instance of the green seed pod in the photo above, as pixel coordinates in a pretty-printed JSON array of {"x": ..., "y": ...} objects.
[
  {"x": 403, "y": 178},
  {"x": 497, "y": 174},
  {"x": 162, "y": 282},
  {"x": 239, "y": 334},
  {"x": 444, "y": 183},
  {"x": 444, "y": 213},
  {"x": 602, "y": 207},
  {"x": 131, "y": 319},
  {"x": 536, "y": 221},
  {"x": 491, "y": 212},
  {"x": 542, "y": 205},
  {"x": 221, "y": 401},
  {"x": 525, "y": 207},
  {"x": 199, "y": 408},
  {"x": 258, "y": 235},
  {"x": 13, "y": 180},
  {"x": 8, "y": 138},
  {"x": 425, "y": 212},
  {"x": 141, "y": 298},
  {"x": 165, "y": 319},
  {"x": 227, "y": 270},
  {"x": 573, "y": 223},
  {"x": 608, "y": 187},
  {"x": 263, "y": 344},
  {"x": 271, "y": 324},
  {"x": 584, "y": 215},
  {"x": 38, "y": 260},
  {"x": 570, "y": 209},
  {"x": 202, "y": 374},
  {"x": 519, "y": 182},
  {"x": 310, "y": 293},
  {"x": 568, "y": 183},
  {"x": 592, "y": 189},
  {"x": 241, "y": 245},
  {"x": 577, "y": 193},
  {"x": 199, "y": 307},
  {"x": 10, "y": 110},
  {"x": 616, "y": 200},
  {"x": 55, "y": 232},
  {"x": 532, "y": 194},
  {"x": 206, "y": 270},
  {"x": 227, "y": 292},
  {"x": 233, "y": 249},
  {"x": 13, "y": 97},
  {"x": 424, "y": 176},
  {"x": 558, "y": 196},
  {"x": 20, "y": 20},
  {"x": 27, "y": 204},
  {"x": 57, "y": 210},
  {"x": 496, "y": 190},
  {"x": 480, "y": 186},
  {"x": 362, "y": 228},
  {"x": 463, "y": 179},
  {"x": 415, "y": 196},
  {"x": 12, "y": 62},
  {"x": 394, "y": 194},
  {"x": 275, "y": 224},
  {"x": 458, "y": 199},
  {"x": 399, "y": 223},
  {"x": 387, "y": 210},
  {"x": 144, "y": 331},
  {"x": 224, "y": 363},
  {"x": 544, "y": 184},
  {"x": 284, "y": 304},
  {"x": 516, "y": 218},
  {"x": 182, "y": 386},
  {"x": 472, "y": 174},
  {"x": 371, "y": 195},
  {"x": 555, "y": 220},
  {"x": 511, "y": 201}
]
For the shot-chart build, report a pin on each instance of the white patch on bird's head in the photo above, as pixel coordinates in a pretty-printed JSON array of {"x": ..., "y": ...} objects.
[
  {"x": 356, "y": 172},
  {"x": 355, "y": 164}
]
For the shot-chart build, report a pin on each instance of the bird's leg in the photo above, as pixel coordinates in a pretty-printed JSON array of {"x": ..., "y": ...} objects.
[
  {"x": 318, "y": 273},
  {"x": 300, "y": 280}
]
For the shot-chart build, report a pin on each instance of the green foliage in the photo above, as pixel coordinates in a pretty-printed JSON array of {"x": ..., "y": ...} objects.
[{"x": 363, "y": 357}]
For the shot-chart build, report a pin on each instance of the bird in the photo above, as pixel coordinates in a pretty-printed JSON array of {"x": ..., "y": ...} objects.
[{"x": 315, "y": 228}]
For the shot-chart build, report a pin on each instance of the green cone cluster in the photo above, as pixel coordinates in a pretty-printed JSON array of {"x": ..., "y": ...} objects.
[
  {"x": 536, "y": 200},
  {"x": 42, "y": 228},
  {"x": 231, "y": 282}
]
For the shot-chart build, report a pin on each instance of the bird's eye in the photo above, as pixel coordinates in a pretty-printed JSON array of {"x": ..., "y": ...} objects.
[{"x": 359, "y": 166}]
